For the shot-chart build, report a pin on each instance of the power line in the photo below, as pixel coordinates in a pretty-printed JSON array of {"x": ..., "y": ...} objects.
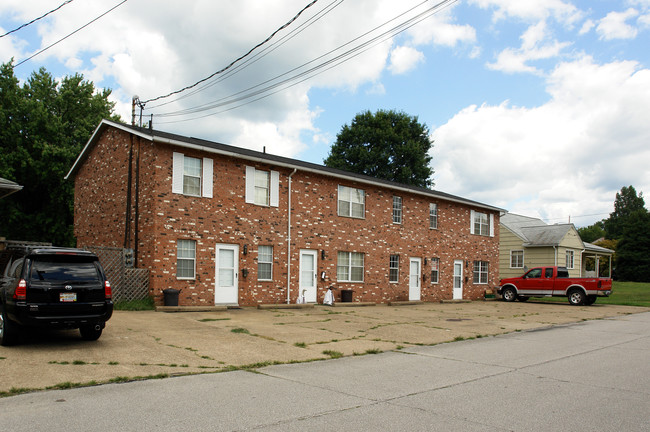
[
  {"x": 65, "y": 37},
  {"x": 258, "y": 91},
  {"x": 36, "y": 19},
  {"x": 287, "y": 24}
]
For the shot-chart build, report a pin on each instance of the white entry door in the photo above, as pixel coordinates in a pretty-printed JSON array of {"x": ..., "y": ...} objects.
[
  {"x": 458, "y": 280},
  {"x": 414, "y": 278},
  {"x": 226, "y": 290},
  {"x": 307, "y": 278}
]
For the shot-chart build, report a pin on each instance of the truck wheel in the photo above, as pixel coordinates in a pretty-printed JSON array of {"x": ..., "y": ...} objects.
[
  {"x": 509, "y": 294},
  {"x": 8, "y": 329},
  {"x": 90, "y": 333},
  {"x": 576, "y": 297},
  {"x": 590, "y": 300}
]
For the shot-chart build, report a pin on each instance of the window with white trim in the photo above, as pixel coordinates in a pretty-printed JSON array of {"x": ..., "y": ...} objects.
[
  {"x": 397, "y": 210},
  {"x": 481, "y": 223},
  {"x": 262, "y": 187},
  {"x": 349, "y": 267},
  {"x": 569, "y": 259},
  {"x": 433, "y": 216},
  {"x": 185, "y": 259},
  {"x": 435, "y": 270},
  {"x": 352, "y": 202},
  {"x": 480, "y": 272},
  {"x": 192, "y": 176},
  {"x": 516, "y": 259},
  {"x": 393, "y": 272},
  {"x": 265, "y": 263}
]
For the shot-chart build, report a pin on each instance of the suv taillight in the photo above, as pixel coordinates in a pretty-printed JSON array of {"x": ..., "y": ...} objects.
[
  {"x": 21, "y": 290},
  {"x": 108, "y": 293}
]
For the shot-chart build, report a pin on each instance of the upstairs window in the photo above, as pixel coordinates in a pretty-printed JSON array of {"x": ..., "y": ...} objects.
[
  {"x": 262, "y": 187},
  {"x": 517, "y": 259},
  {"x": 397, "y": 210},
  {"x": 352, "y": 202},
  {"x": 393, "y": 272},
  {"x": 482, "y": 224},
  {"x": 265, "y": 263},
  {"x": 192, "y": 176},
  {"x": 480, "y": 272},
  {"x": 433, "y": 216}
]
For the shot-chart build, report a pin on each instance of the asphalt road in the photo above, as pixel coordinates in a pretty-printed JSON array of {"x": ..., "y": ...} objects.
[{"x": 589, "y": 376}]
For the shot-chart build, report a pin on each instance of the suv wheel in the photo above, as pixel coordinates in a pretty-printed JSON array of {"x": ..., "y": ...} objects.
[
  {"x": 90, "y": 333},
  {"x": 8, "y": 330}
]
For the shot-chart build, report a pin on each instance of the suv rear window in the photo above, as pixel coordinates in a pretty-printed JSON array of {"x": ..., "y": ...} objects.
[{"x": 63, "y": 268}]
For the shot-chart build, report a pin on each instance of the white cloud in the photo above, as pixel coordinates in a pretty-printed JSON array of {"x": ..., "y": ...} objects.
[
  {"x": 440, "y": 29},
  {"x": 566, "y": 157},
  {"x": 532, "y": 11},
  {"x": 615, "y": 26},
  {"x": 403, "y": 59}
]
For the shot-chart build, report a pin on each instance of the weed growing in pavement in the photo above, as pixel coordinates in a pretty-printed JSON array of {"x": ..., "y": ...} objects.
[
  {"x": 333, "y": 354},
  {"x": 113, "y": 363},
  {"x": 373, "y": 351},
  {"x": 300, "y": 345},
  {"x": 213, "y": 319},
  {"x": 240, "y": 330}
]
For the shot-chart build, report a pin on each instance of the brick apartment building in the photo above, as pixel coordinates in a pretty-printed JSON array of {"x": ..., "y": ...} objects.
[{"x": 232, "y": 226}]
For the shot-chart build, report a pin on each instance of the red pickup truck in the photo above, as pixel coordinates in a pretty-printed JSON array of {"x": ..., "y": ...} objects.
[{"x": 554, "y": 282}]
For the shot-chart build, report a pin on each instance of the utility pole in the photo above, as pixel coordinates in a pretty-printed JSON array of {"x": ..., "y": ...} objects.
[{"x": 134, "y": 101}]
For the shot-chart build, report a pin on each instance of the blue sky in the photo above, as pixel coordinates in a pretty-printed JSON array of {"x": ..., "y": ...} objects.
[{"x": 540, "y": 108}]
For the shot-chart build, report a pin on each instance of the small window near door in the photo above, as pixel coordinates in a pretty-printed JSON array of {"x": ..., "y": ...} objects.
[
  {"x": 349, "y": 267},
  {"x": 393, "y": 276},
  {"x": 480, "y": 272},
  {"x": 185, "y": 259},
  {"x": 569, "y": 259},
  {"x": 265, "y": 263},
  {"x": 435, "y": 270}
]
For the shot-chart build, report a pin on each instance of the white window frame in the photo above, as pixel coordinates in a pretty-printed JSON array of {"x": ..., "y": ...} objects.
[
  {"x": 435, "y": 270},
  {"x": 272, "y": 197},
  {"x": 433, "y": 216},
  {"x": 185, "y": 251},
  {"x": 481, "y": 223},
  {"x": 347, "y": 202},
  {"x": 570, "y": 259},
  {"x": 346, "y": 264},
  {"x": 393, "y": 269},
  {"x": 179, "y": 176},
  {"x": 481, "y": 272},
  {"x": 520, "y": 253},
  {"x": 264, "y": 260},
  {"x": 397, "y": 209}
]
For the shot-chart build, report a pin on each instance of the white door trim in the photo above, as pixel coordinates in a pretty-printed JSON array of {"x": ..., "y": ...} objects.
[
  {"x": 308, "y": 270},
  {"x": 415, "y": 278},
  {"x": 458, "y": 280},
  {"x": 226, "y": 288}
]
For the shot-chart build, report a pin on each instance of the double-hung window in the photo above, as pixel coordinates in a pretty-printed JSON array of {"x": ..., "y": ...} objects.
[
  {"x": 185, "y": 259},
  {"x": 516, "y": 259},
  {"x": 191, "y": 176},
  {"x": 262, "y": 187},
  {"x": 393, "y": 272},
  {"x": 265, "y": 263},
  {"x": 482, "y": 224},
  {"x": 433, "y": 216},
  {"x": 435, "y": 270},
  {"x": 480, "y": 272},
  {"x": 397, "y": 210},
  {"x": 352, "y": 202},
  {"x": 569, "y": 259},
  {"x": 349, "y": 267}
]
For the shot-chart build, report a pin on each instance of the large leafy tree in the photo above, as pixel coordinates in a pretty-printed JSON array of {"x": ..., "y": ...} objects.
[
  {"x": 43, "y": 126},
  {"x": 592, "y": 232},
  {"x": 387, "y": 144},
  {"x": 633, "y": 251},
  {"x": 627, "y": 202}
]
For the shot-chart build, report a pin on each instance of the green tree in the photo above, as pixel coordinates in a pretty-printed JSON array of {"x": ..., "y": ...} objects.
[
  {"x": 633, "y": 251},
  {"x": 45, "y": 124},
  {"x": 626, "y": 203},
  {"x": 592, "y": 232},
  {"x": 388, "y": 145}
]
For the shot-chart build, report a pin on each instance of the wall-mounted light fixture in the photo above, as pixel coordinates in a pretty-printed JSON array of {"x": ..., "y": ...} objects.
[
  {"x": 425, "y": 261},
  {"x": 244, "y": 273},
  {"x": 322, "y": 254},
  {"x": 245, "y": 249}
]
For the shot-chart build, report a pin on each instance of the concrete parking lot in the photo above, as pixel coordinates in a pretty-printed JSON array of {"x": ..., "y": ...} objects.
[{"x": 148, "y": 344}]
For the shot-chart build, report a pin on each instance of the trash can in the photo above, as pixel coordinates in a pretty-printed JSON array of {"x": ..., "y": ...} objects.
[
  {"x": 346, "y": 296},
  {"x": 171, "y": 296}
]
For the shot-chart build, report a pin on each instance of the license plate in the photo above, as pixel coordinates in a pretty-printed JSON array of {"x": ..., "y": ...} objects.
[{"x": 68, "y": 297}]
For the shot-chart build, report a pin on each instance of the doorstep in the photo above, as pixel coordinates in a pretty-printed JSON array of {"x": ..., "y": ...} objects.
[
  {"x": 405, "y": 303},
  {"x": 191, "y": 308},
  {"x": 456, "y": 301},
  {"x": 352, "y": 304},
  {"x": 286, "y": 306}
]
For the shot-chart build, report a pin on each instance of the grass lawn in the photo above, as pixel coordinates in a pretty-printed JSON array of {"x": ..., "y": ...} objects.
[{"x": 623, "y": 293}]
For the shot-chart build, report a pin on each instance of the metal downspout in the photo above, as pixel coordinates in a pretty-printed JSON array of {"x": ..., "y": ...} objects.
[{"x": 289, "y": 239}]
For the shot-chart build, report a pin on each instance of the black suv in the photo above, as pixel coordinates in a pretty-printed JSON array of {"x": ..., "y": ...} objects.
[{"x": 52, "y": 287}]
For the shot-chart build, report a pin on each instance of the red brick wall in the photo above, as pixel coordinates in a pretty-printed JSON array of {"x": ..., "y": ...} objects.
[{"x": 165, "y": 217}]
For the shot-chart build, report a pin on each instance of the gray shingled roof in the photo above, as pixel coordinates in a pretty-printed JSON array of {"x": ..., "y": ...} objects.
[
  {"x": 214, "y": 147},
  {"x": 533, "y": 231}
]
